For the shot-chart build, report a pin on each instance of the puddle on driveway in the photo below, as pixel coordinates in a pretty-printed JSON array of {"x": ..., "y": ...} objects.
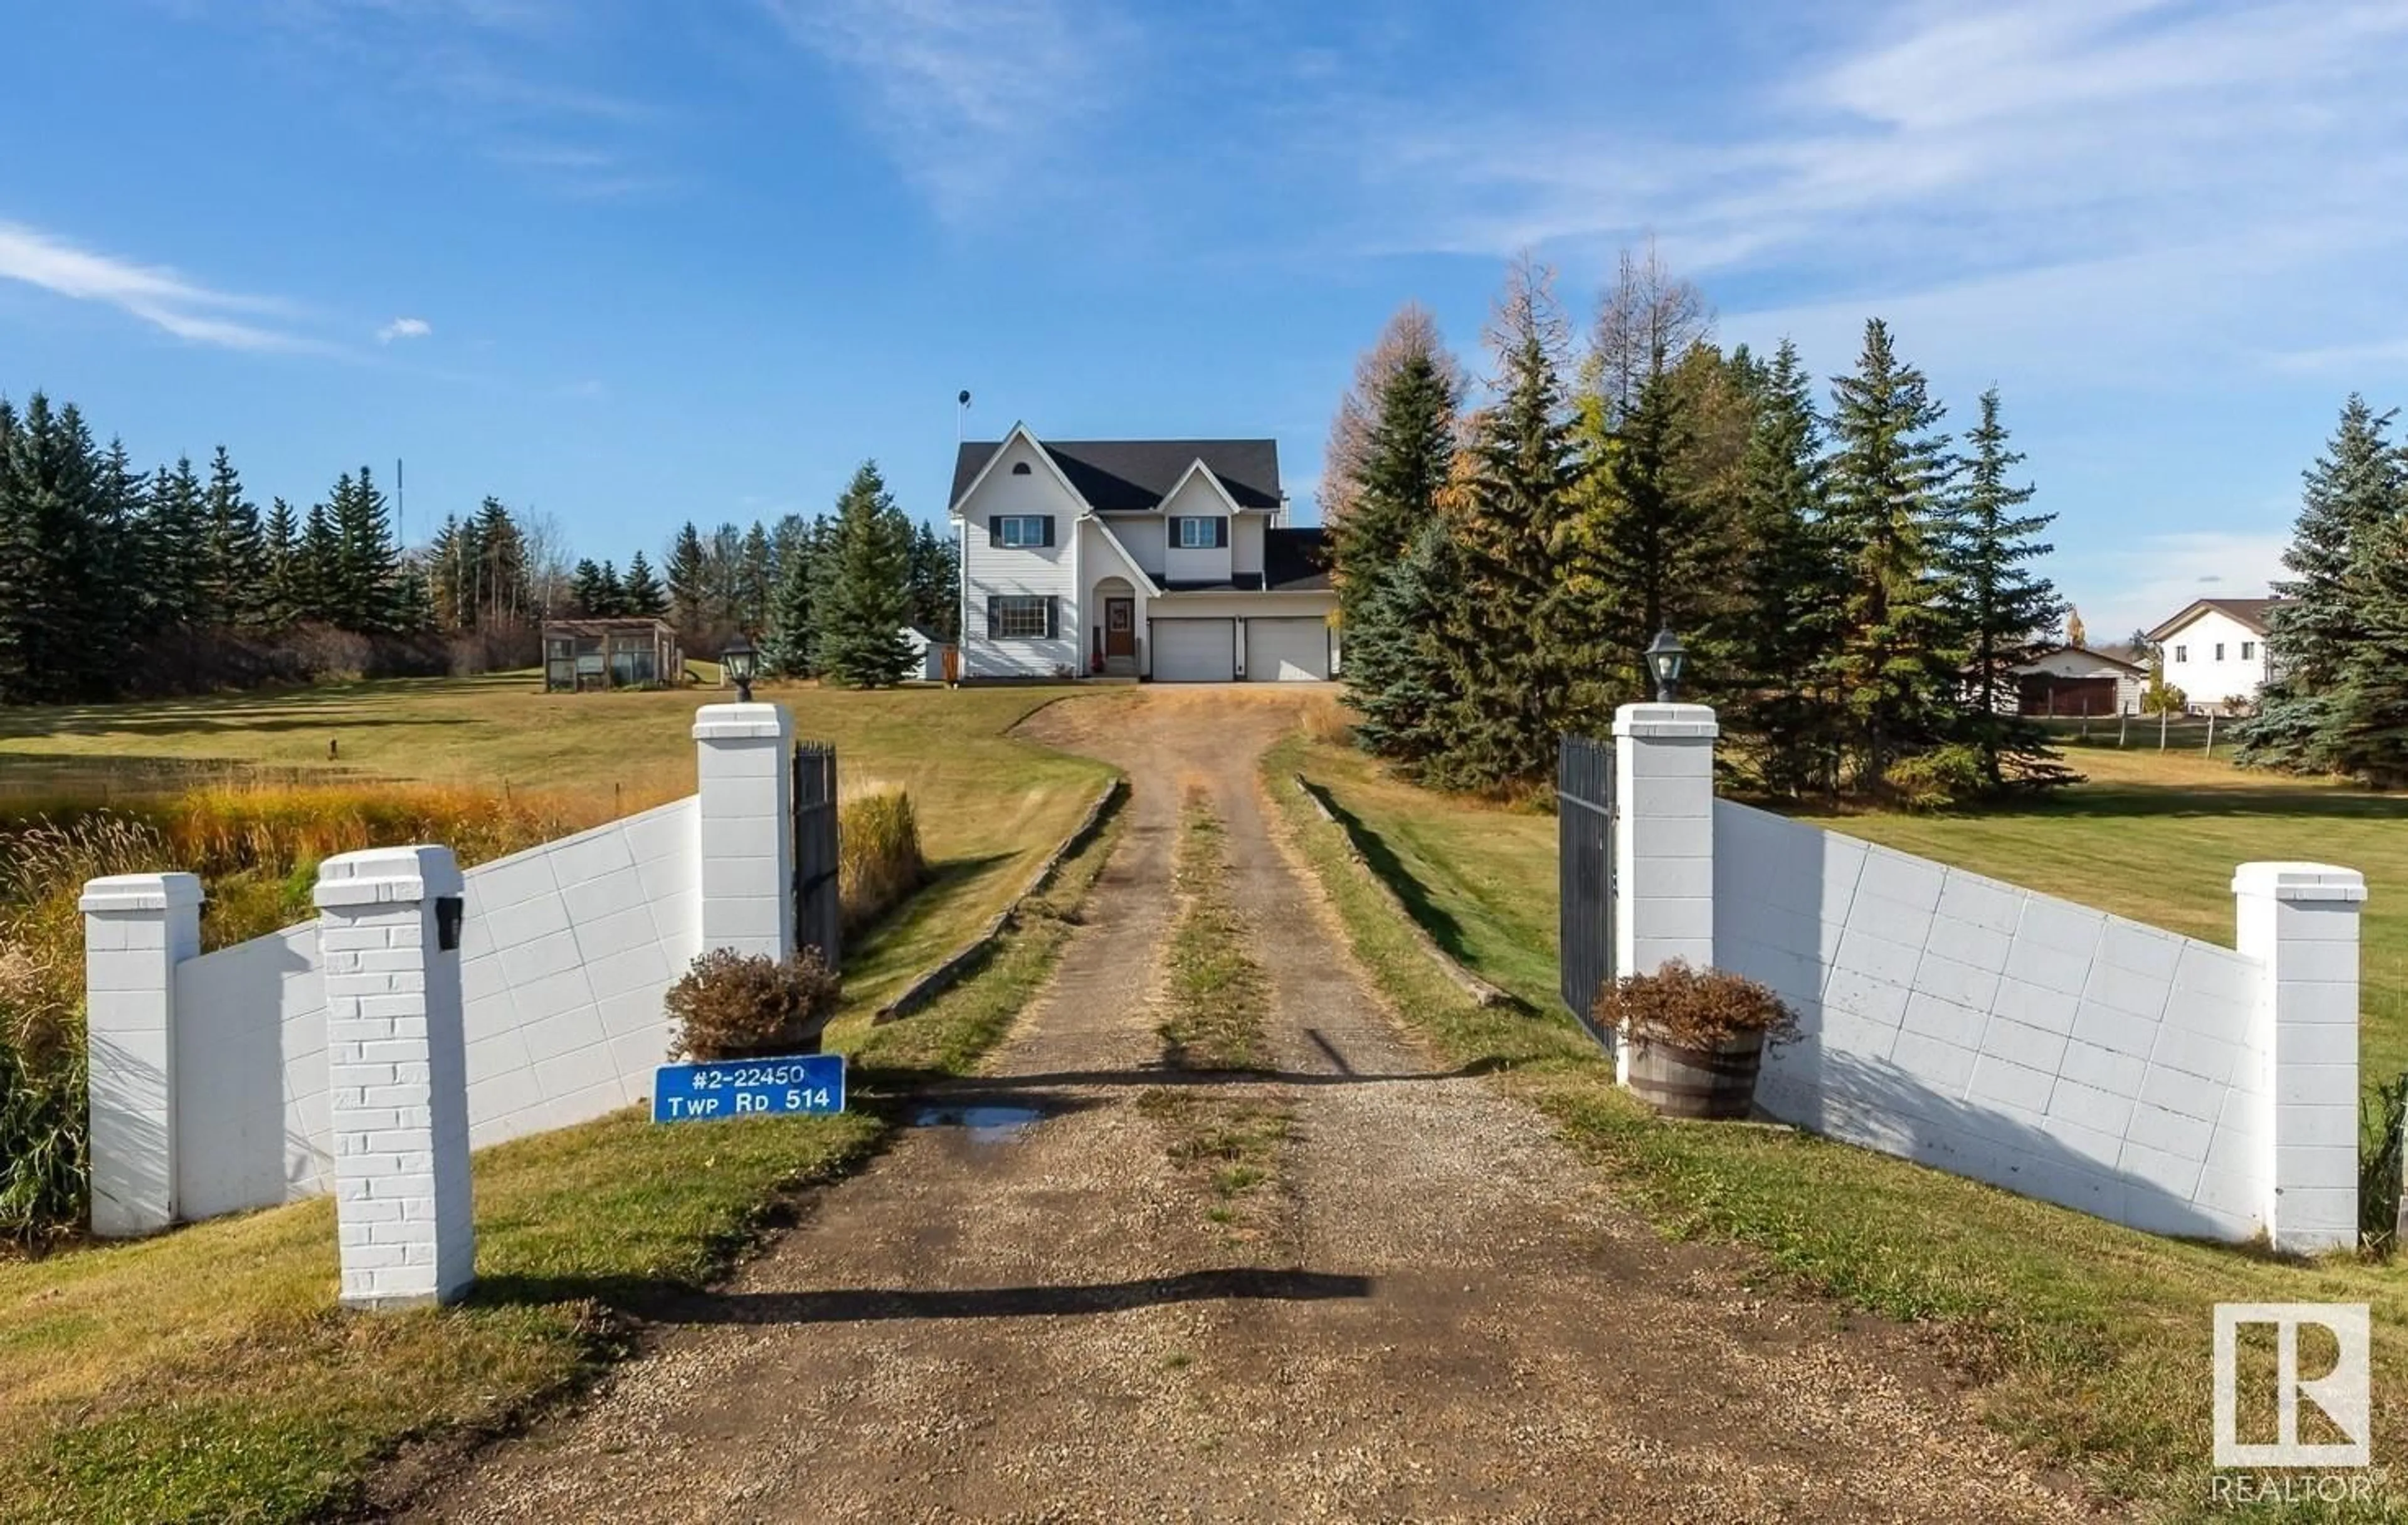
[{"x": 983, "y": 1122}]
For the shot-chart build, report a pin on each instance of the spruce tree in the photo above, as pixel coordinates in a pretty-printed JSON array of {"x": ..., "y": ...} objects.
[
  {"x": 117, "y": 619},
  {"x": 503, "y": 592},
  {"x": 174, "y": 546},
  {"x": 2000, "y": 606},
  {"x": 868, "y": 602},
  {"x": 1894, "y": 670},
  {"x": 366, "y": 595},
  {"x": 1394, "y": 494},
  {"x": 689, "y": 581},
  {"x": 235, "y": 577},
  {"x": 935, "y": 584},
  {"x": 286, "y": 583},
  {"x": 17, "y": 568},
  {"x": 2353, "y": 490},
  {"x": 639, "y": 591},
  {"x": 2365, "y": 731},
  {"x": 1791, "y": 587},
  {"x": 51, "y": 543},
  {"x": 787, "y": 650},
  {"x": 318, "y": 570},
  {"x": 610, "y": 594},
  {"x": 586, "y": 590},
  {"x": 755, "y": 574},
  {"x": 1409, "y": 696},
  {"x": 1518, "y": 671}
]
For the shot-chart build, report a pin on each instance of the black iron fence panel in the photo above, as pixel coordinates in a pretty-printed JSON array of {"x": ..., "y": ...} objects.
[
  {"x": 1584, "y": 835},
  {"x": 816, "y": 909}
]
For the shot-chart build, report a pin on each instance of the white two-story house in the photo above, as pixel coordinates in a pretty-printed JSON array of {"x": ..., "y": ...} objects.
[
  {"x": 1152, "y": 558},
  {"x": 2216, "y": 651}
]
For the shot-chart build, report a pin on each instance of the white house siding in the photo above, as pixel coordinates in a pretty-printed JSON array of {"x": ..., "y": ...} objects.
[
  {"x": 1049, "y": 571},
  {"x": 1246, "y": 545},
  {"x": 1198, "y": 497},
  {"x": 2193, "y": 666},
  {"x": 1999, "y": 1034},
  {"x": 565, "y": 951},
  {"x": 1140, "y": 536}
]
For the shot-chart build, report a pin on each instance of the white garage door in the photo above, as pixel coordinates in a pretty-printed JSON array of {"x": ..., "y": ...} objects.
[
  {"x": 1194, "y": 650},
  {"x": 1287, "y": 651}
]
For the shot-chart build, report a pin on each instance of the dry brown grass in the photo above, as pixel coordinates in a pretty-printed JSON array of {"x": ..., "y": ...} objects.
[{"x": 879, "y": 860}]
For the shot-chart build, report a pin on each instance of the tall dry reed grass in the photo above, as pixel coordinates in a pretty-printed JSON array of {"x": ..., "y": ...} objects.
[{"x": 879, "y": 860}]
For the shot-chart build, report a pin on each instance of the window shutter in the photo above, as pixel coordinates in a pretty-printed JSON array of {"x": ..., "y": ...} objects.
[
  {"x": 1049, "y": 529},
  {"x": 1052, "y": 604},
  {"x": 994, "y": 529},
  {"x": 1171, "y": 533},
  {"x": 1221, "y": 533},
  {"x": 994, "y": 617}
]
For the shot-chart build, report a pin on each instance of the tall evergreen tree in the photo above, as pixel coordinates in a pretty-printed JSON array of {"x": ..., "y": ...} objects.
[
  {"x": 1791, "y": 589},
  {"x": 610, "y": 594},
  {"x": 505, "y": 593},
  {"x": 119, "y": 576},
  {"x": 1515, "y": 690},
  {"x": 2365, "y": 731},
  {"x": 50, "y": 543},
  {"x": 318, "y": 570},
  {"x": 689, "y": 579},
  {"x": 790, "y": 646},
  {"x": 868, "y": 601},
  {"x": 1895, "y": 670},
  {"x": 639, "y": 591},
  {"x": 2001, "y": 605},
  {"x": 935, "y": 584},
  {"x": 175, "y": 547},
  {"x": 2353, "y": 490},
  {"x": 235, "y": 577},
  {"x": 586, "y": 590},
  {"x": 1407, "y": 459},
  {"x": 286, "y": 583},
  {"x": 755, "y": 574}
]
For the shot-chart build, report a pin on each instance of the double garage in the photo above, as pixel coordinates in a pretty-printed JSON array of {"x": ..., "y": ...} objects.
[{"x": 1275, "y": 648}]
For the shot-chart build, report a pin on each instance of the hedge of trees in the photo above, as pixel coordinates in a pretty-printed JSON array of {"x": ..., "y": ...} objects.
[
  {"x": 117, "y": 580},
  {"x": 1853, "y": 585}
]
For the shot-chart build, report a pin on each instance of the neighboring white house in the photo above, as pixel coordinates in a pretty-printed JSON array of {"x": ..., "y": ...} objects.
[
  {"x": 1154, "y": 558},
  {"x": 2215, "y": 650},
  {"x": 2076, "y": 680}
]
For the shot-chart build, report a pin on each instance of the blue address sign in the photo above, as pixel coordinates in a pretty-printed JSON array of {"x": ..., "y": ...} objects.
[{"x": 800, "y": 1084}]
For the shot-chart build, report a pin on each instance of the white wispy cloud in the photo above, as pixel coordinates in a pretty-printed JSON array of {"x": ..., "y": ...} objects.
[
  {"x": 960, "y": 92},
  {"x": 404, "y": 328},
  {"x": 155, "y": 293}
]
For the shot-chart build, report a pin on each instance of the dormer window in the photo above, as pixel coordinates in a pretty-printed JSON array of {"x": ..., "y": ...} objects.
[{"x": 1201, "y": 534}]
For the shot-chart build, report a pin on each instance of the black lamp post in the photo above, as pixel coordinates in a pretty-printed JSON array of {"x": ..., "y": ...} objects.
[
  {"x": 1665, "y": 657},
  {"x": 737, "y": 658}
]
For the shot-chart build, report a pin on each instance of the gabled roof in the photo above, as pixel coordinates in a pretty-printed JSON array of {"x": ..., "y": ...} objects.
[
  {"x": 2249, "y": 614},
  {"x": 1134, "y": 475},
  {"x": 2109, "y": 658}
]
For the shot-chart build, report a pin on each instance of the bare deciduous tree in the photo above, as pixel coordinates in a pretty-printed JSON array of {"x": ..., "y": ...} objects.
[{"x": 1648, "y": 319}]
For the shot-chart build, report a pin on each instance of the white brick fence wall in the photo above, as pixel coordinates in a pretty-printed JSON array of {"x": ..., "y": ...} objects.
[
  {"x": 1984, "y": 1029},
  {"x": 217, "y": 1079}
]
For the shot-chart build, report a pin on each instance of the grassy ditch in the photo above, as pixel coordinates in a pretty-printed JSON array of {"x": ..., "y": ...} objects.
[
  {"x": 2089, "y": 1344},
  {"x": 206, "y": 1375}
]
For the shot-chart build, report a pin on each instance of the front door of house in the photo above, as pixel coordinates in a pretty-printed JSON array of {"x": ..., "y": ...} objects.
[{"x": 1120, "y": 627}]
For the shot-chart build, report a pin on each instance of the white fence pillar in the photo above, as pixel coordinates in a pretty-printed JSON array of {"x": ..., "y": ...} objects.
[
  {"x": 2300, "y": 922},
  {"x": 744, "y": 766},
  {"x": 397, "y": 1078},
  {"x": 136, "y": 929},
  {"x": 1663, "y": 839}
]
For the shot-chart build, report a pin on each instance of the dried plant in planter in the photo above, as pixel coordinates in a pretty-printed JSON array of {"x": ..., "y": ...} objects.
[
  {"x": 731, "y": 1005},
  {"x": 1697, "y": 1036}
]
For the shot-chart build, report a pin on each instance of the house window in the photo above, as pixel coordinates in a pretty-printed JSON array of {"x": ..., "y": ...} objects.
[
  {"x": 2248, "y": 651},
  {"x": 2181, "y": 653},
  {"x": 1019, "y": 468},
  {"x": 1023, "y": 616},
  {"x": 2219, "y": 651},
  {"x": 1201, "y": 534},
  {"x": 1020, "y": 529}
]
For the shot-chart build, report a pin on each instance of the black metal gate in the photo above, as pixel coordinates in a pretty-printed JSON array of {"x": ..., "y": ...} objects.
[
  {"x": 816, "y": 911},
  {"x": 1585, "y": 868}
]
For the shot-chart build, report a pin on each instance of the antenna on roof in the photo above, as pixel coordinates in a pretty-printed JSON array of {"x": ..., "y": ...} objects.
[{"x": 961, "y": 416}]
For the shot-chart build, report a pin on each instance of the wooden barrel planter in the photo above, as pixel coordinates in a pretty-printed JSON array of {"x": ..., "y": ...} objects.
[{"x": 1714, "y": 1082}]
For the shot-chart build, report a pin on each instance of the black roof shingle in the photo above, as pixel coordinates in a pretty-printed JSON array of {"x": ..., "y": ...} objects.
[{"x": 1133, "y": 476}]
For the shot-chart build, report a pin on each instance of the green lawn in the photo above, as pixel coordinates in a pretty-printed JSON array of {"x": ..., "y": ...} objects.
[
  {"x": 990, "y": 806},
  {"x": 206, "y": 1375},
  {"x": 2089, "y": 1343}
]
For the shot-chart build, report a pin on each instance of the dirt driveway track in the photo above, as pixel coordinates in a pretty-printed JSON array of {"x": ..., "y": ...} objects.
[{"x": 1443, "y": 1317}]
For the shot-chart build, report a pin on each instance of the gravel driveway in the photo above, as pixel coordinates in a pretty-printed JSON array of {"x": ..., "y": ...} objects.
[{"x": 1445, "y": 1316}]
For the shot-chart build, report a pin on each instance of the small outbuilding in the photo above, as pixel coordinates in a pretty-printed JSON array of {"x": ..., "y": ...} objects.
[
  {"x": 2070, "y": 682},
  {"x": 927, "y": 654},
  {"x": 579, "y": 654}
]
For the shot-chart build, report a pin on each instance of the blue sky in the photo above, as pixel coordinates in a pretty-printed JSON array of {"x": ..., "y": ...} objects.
[{"x": 637, "y": 263}]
